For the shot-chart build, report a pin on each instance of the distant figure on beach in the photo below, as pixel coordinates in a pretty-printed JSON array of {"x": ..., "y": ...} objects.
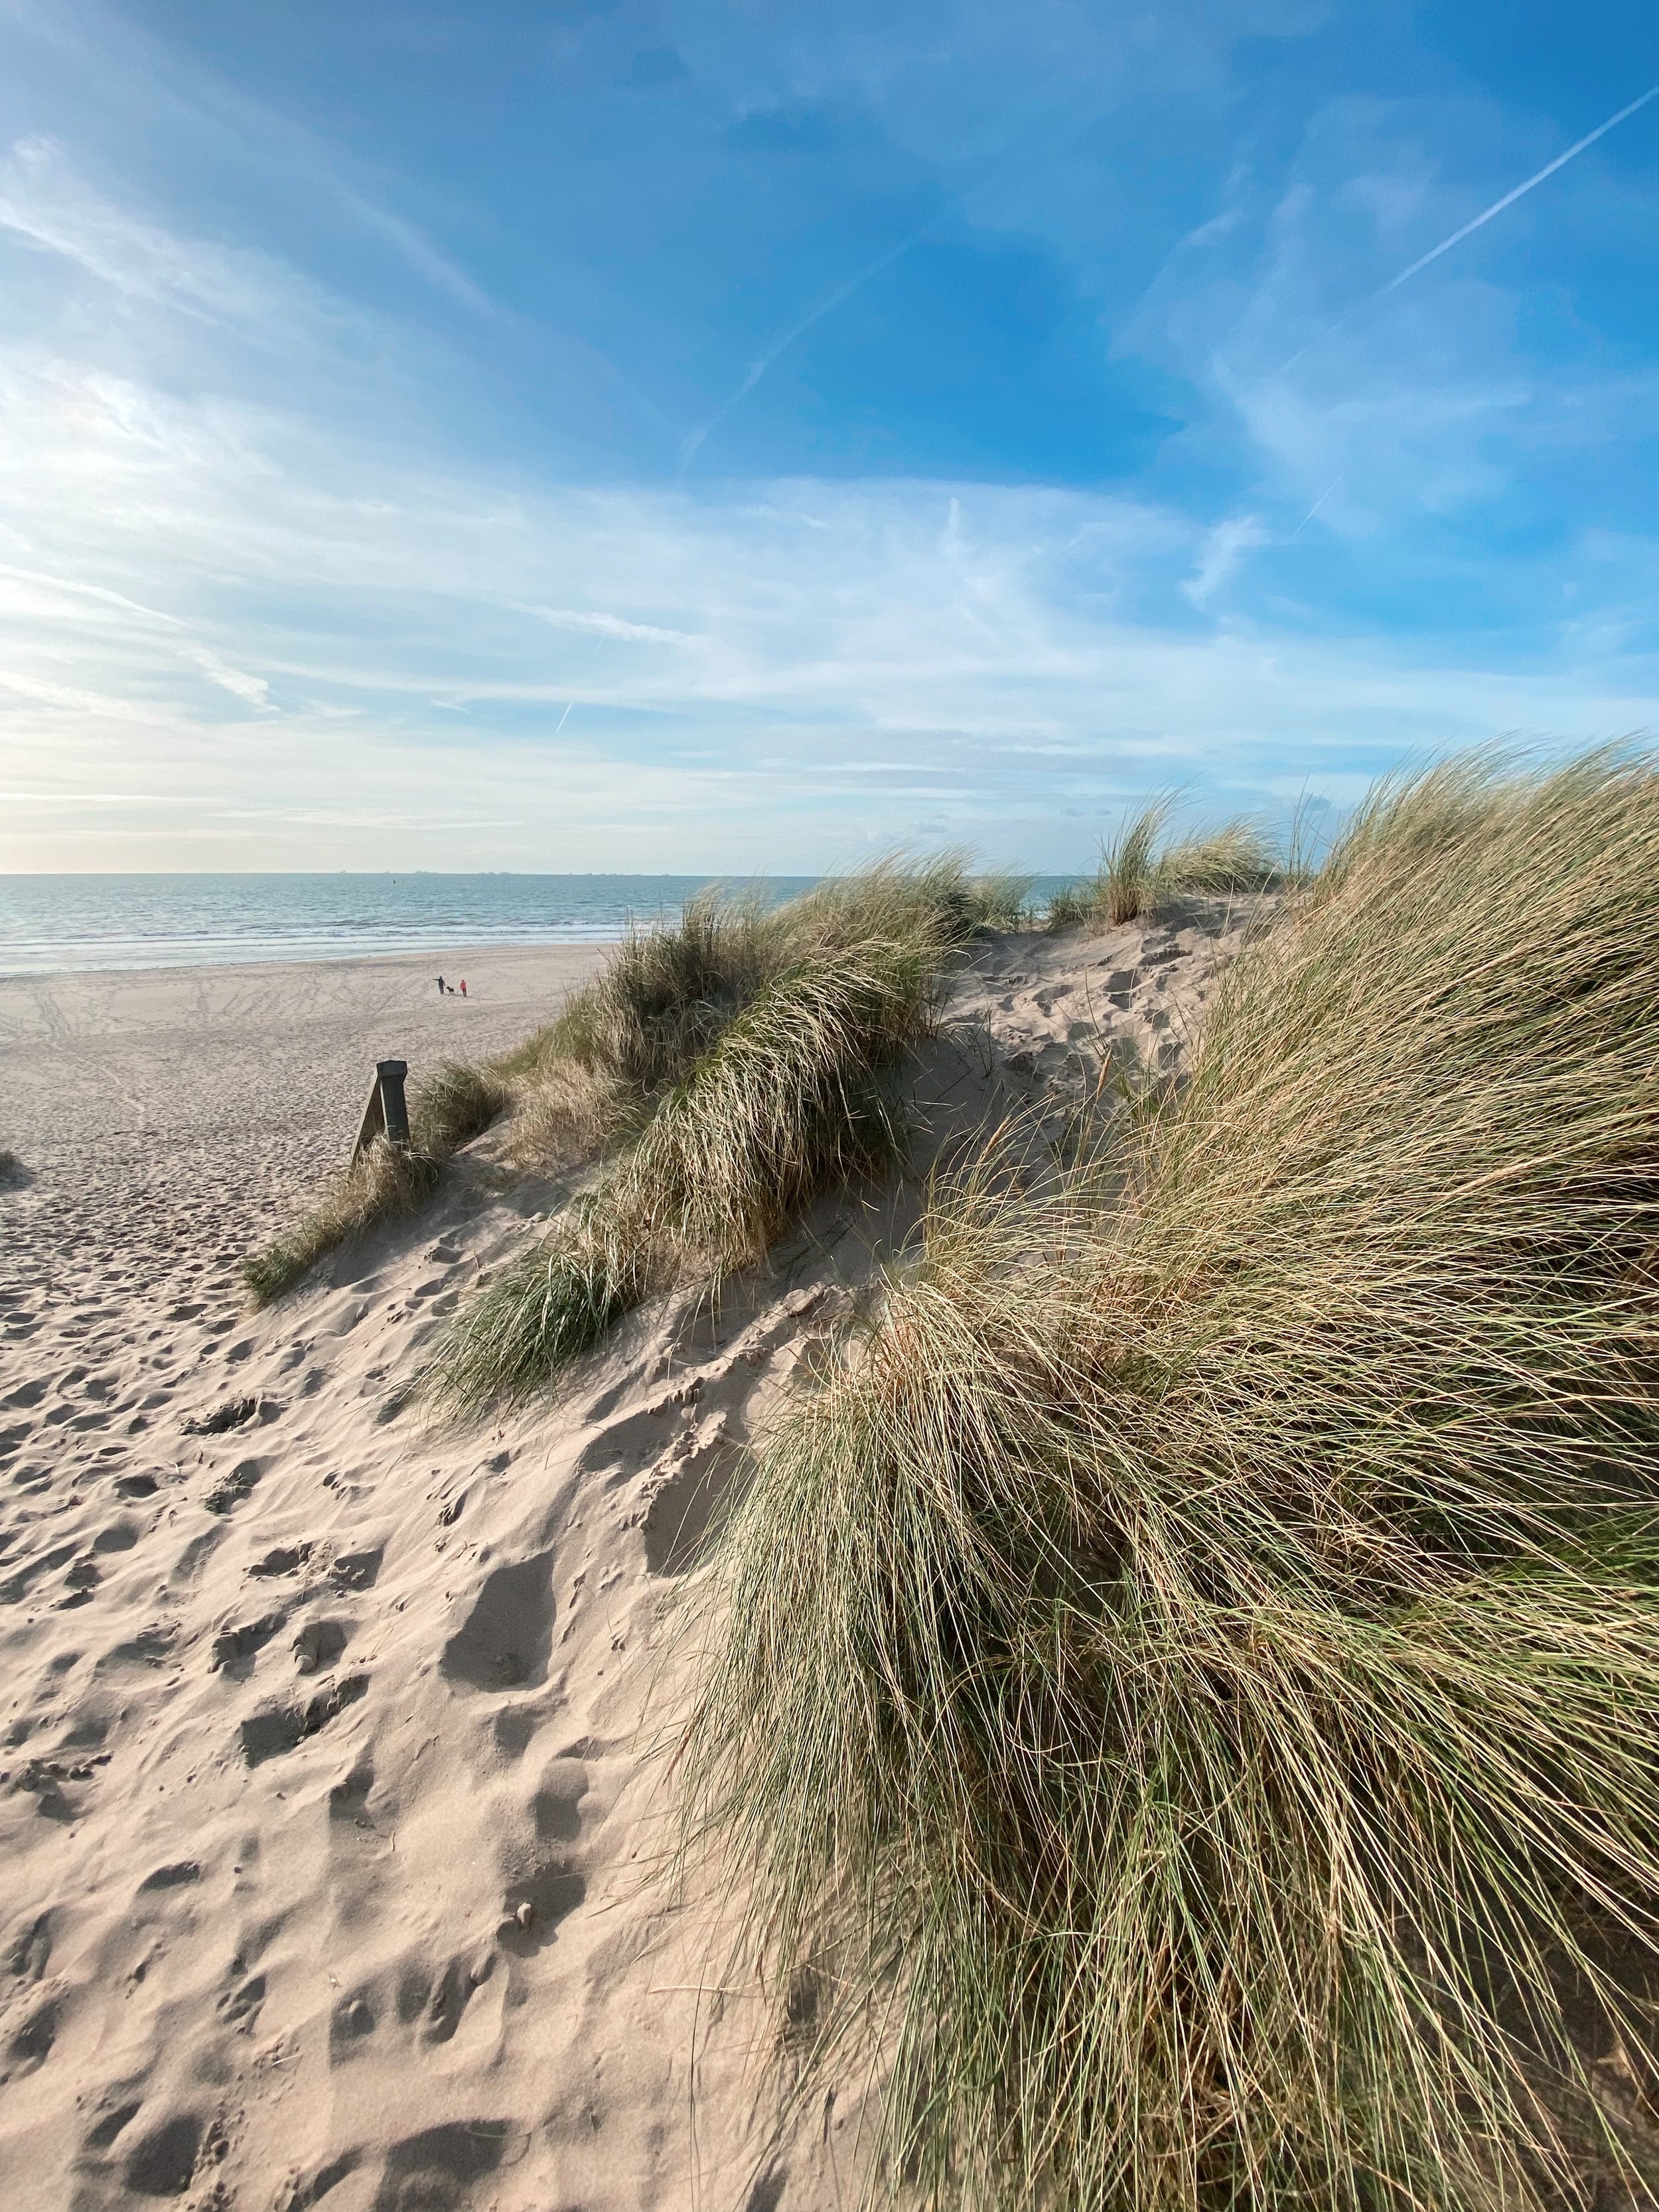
[
  {"x": 464, "y": 986},
  {"x": 442, "y": 987}
]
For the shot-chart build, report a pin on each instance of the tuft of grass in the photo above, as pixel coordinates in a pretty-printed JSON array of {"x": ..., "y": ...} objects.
[
  {"x": 726, "y": 1107},
  {"x": 662, "y": 998},
  {"x": 786, "y": 1103},
  {"x": 384, "y": 1181},
  {"x": 550, "y": 1305},
  {"x": 1129, "y": 877},
  {"x": 897, "y": 897},
  {"x": 11, "y": 1167},
  {"x": 589, "y": 1080},
  {"x": 1235, "y": 858},
  {"x": 1188, "y": 1680},
  {"x": 455, "y": 1103},
  {"x": 1140, "y": 867}
]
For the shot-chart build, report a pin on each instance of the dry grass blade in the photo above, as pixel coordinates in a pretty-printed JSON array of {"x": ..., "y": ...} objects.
[{"x": 1190, "y": 1677}]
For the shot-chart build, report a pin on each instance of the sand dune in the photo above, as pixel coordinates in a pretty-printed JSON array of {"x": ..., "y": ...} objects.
[{"x": 330, "y": 1820}]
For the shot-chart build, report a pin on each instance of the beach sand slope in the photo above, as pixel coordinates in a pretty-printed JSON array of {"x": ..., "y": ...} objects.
[{"x": 334, "y": 1785}]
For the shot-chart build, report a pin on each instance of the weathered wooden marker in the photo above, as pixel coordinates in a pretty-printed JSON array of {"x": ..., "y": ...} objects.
[{"x": 387, "y": 1113}]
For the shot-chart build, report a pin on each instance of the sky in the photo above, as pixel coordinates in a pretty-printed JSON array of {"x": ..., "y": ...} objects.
[{"x": 670, "y": 434}]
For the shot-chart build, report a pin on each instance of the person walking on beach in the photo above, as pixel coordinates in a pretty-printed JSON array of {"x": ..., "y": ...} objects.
[
  {"x": 464, "y": 986},
  {"x": 442, "y": 987}
]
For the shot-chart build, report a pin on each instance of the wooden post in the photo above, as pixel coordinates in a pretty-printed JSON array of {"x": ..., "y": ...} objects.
[
  {"x": 386, "y": 1112},
  {"x": 393, "y": 1110}
]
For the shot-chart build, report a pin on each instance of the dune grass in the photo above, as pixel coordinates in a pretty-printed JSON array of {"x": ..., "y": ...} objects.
[
  {"x": 769, "y": 1071},
  {"x": 1140, "y": 867},
  {"x": 455, "y": 1103},
  {"x": 1188, "y": 1681},
  {"x": 664, "y": 995}
]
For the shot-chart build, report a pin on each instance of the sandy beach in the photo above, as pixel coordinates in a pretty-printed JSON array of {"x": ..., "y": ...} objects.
[
  {"x": 167, "y": 1119},
  {"x": 328, "y": 1814}
]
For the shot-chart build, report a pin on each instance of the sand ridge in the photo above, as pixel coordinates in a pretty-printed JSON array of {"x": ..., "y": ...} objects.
[{"x": 328, "y": 1811}]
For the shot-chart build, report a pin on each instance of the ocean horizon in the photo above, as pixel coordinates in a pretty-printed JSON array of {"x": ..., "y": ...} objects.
[
  {"x": 54, "y": 924},
  {"x": 60, "y": 924}
]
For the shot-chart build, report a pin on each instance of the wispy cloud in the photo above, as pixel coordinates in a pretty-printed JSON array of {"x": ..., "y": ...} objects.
[
  {"x": 605, "y": 625},
  {"x": 1374, "y": 190},
  {"x": 847, "y": 662},
  {"x": 1224, "y": 552}
]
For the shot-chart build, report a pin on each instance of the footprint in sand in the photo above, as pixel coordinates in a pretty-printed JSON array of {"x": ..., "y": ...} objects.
[
  {"x": 118, "y": 2108},
  {"x": 235, "y": 1647},
  {"x": 282, "y": 1560},
  {"x": 280, "y": 1728},
  {"x": 320, "y": 1643},
  {"x": 504, "y": 1642},
  {"x": 239, "y": 2004},
  {"x": 351, "y": 2024},
  {"x": 31, "y": 2044},
  {"x": 163, "y": 2162},
  {"x": 179, "y": 1874},
  {"x": 230, "y": 1490}
]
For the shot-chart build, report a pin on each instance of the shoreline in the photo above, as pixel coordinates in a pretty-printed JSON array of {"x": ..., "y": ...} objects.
[{"x": 450, "y": 948}]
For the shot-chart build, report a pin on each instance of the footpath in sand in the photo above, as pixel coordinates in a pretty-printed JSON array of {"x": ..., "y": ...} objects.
[{"x": 329, "y": 1826}]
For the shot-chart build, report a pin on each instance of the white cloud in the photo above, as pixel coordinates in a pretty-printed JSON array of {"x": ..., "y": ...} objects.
[
  {"x": 1432, "y": 404},
  {"x": 45, "y": 203}
]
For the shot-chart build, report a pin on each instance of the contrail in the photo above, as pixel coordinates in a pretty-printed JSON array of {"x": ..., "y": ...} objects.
[
  {"x": 1509, "y": 198},
  {"x": 1313, "y": 510},
  {"x": 1484, "y": 217},
  {"x": 831, "y": 301},
  {"x": 563, "y": 720},
  {"x": 757, "y": 368}
]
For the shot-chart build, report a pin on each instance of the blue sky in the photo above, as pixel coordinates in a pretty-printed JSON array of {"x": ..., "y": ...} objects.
[{"x": 623, "y": 433}]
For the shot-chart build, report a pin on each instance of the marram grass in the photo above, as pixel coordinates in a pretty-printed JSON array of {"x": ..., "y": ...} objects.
[
  {"x": 1141, "y": 866},
  {"x": 454, "y": 1103},
  {"x": 787, "y": 1101},
  {"x": 1188, "y": 1680}
]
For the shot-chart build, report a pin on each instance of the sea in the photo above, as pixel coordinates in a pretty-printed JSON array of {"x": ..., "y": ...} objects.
[{"x": 51, "y": 924}]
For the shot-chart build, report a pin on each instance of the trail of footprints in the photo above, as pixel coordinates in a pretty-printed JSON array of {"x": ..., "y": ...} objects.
[{"x": 132, "y": 1528}]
